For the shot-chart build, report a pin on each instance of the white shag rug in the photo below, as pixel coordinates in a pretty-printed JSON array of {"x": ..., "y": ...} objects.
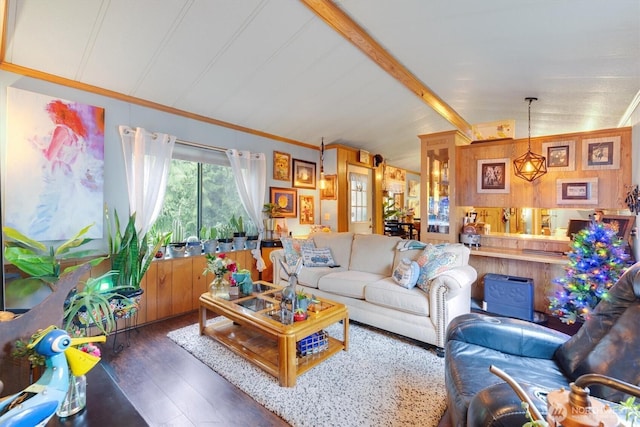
[{"x": 382, "y": 380}]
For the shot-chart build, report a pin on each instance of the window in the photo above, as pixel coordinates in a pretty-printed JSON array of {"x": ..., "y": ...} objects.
[
  {"x": 358, "y": 188},
  {"x": 201, "y": 191}
]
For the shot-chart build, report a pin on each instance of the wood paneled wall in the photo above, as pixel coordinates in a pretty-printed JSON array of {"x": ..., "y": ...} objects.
[{"x": 542, "y": 192}]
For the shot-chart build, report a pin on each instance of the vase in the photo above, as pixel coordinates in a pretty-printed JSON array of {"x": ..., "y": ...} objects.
[
  {"x": 76, "y": 398},
  {"x": 219, "y": 287}
]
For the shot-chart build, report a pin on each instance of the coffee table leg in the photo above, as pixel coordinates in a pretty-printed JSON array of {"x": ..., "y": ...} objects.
[
  {"x": 345, "y": 325},
  {"x": 202, "y": 319},
  {"x": 288, "y": 369}
]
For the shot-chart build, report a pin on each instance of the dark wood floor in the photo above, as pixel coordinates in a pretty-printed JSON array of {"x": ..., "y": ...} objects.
[{"x": 169, "y": 387}]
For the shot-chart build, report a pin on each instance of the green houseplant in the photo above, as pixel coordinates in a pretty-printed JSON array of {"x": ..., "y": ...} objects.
[
  {"x": 41, "y": 264},
  {"x": 252, "y": 236},
  {"x": 93, "y": 304},
  {"x": 225, "y": 237},
  {"x": 208, "y": 236},
  {"x": 239, "y": 235},
  {"x": 271, "y": 211},
  {"x": 178, "y": 246},
  {"x": 130, "y": 254}
]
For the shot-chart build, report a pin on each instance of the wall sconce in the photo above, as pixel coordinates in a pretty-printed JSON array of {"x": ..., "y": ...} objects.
[
  {"x": 323, "y": 183},
  {"x": 530, "y": 166}
]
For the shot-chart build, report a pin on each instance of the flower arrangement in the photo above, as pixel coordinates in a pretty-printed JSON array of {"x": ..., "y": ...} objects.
[
  {"x": 89, "y": 348},
  {"x": 219, "y": 264}
]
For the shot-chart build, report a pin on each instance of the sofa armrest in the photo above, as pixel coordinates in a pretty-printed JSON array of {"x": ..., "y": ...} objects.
[
  {"x": 449, "y": 297},
  {"x": 278, "y": 272},
  {"x": 456, "y": 280},
  {"x": 507, "y": 335}
]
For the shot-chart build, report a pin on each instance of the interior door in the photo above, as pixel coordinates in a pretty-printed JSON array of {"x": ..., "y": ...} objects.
[{"x": 360, "y": 199}]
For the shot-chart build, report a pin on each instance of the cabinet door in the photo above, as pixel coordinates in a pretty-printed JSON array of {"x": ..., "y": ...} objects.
[{"x": 182, "y": 286}]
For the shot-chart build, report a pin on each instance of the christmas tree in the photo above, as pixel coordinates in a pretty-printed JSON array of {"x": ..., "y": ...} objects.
[{"x": 597, "y": 259}]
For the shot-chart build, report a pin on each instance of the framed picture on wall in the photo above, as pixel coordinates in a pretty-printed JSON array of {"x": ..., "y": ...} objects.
[
  {"x": 304, "y": 174},
  {"x": 583, "y": 191},
  {"x": 281, "y": 166},
  {"x": 307, "y": 208},
  {"x": 493, "y": 176},
  {"x": 329, "y": 191},
  {"x": 561, "y": 155},
  {"x": 286, "y": 198},
  {"x": 601, "y": 153}
]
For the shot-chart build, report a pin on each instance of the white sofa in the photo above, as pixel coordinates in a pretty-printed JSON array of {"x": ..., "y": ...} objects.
[{"x": 364, "y": 284}]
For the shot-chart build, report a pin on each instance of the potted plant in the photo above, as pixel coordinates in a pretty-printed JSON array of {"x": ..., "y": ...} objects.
[
  {"x": 208, "y": 237},
  {"x": 299, "y": 315},
  {"x": 194, "y": 246},
  {"x": 225, "y": 237},
  {"x": 239, "y": 235},
  {"x": 219, "y": 265},
  {"x": 41, "y": 264},
  {"x": 302, "y": 300},
  {"x": 94, "y": 303},
  {"x": 158, "y": 234},
  {"x": 271, "y": 211},
  {"x": 252, "y": 236},
  {"x": 129, "y": 253},
  {"x": 177, "y": 247}
]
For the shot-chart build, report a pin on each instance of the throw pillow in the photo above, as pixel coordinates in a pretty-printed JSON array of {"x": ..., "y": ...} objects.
[
  {"x": 406, "y": 273},
  {"x": 429, "y": 253},
  {"x": 293, "y": 248},
  {"x": 317, "y": 257},
  {"x": 434, "y": 267}
]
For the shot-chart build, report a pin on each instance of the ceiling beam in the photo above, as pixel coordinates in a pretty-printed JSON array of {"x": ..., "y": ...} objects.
[{"x": 342, "y": 23}]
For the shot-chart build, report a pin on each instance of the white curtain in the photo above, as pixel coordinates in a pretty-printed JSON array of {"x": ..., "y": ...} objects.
[
  {"x": 250, "y": 172},
  {"x": 147, "y": 159}
]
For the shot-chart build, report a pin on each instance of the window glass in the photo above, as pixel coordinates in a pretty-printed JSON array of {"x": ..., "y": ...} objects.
[{"x": 214, "y": 195}]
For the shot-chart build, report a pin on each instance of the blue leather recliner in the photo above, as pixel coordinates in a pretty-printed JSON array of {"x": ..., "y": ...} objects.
[{"x": 539, "y": 358}]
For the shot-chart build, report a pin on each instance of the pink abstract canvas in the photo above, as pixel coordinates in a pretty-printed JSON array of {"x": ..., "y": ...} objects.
[{"x": 55, "y": 166}]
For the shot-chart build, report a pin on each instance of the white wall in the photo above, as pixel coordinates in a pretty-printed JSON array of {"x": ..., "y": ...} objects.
[{"x": 123, "y": 113}]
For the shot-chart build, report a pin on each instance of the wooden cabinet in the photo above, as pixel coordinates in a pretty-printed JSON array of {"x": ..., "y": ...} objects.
[
  {"x": 173, "y": 286},
  {"x": 439, "y": 218},
  {"x": 266, "y": 248}
]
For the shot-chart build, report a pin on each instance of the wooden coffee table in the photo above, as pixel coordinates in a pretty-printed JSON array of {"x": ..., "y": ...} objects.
[{"x": 253, "y": 330}]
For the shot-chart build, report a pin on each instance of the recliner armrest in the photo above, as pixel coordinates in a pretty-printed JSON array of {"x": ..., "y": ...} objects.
[{"x": 507, "y": 335}]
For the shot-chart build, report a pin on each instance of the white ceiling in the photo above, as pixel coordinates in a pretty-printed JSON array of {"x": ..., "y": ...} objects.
[{"x": 274, "y": 66}]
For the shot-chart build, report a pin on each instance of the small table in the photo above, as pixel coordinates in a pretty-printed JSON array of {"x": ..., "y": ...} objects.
[{"x": 253, "y": 330}]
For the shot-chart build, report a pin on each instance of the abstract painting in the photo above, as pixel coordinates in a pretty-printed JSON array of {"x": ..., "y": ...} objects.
[{"x": 55, "y": 166}]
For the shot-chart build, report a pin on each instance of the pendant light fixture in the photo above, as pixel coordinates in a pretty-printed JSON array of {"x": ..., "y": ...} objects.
[
  {"x": 322, "y": 181},
  {"x": 530, "y": 166}
]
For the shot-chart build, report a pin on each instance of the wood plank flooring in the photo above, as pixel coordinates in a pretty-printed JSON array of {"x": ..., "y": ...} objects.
[{"x": 169, "y": 387}]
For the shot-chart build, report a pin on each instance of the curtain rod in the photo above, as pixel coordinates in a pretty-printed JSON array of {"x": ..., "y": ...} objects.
[{"x": 203, "y": 146}]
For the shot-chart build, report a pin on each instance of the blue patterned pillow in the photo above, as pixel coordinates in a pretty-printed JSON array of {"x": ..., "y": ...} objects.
[
  {"x": 406, "y": 273},
  {"x": 293, "y": 248},
  {"x": 437, "y": 265},
  {"x": 317, "y": 257}
]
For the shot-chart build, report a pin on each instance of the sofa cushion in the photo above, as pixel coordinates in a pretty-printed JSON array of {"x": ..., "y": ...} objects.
[
  {"x": 387, "y": 293},
  {"x": 339, "y": 243},
  {"x": 437, "y": 265},
  {"x": 406, "y": 273},
  {"x": 310, "y": 276},
  {"x": 317, "y": 257},
  {"x": 293, "y": 248},
  {"x": 348, "y": 283},
  {"x": 373, "y": 253}
]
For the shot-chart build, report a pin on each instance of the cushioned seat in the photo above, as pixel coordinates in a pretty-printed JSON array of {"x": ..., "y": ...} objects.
[{"x": 606, "y": 344}]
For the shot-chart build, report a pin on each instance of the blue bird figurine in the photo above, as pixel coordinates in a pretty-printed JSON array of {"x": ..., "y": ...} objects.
[{"x": 37, "y": 403}]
